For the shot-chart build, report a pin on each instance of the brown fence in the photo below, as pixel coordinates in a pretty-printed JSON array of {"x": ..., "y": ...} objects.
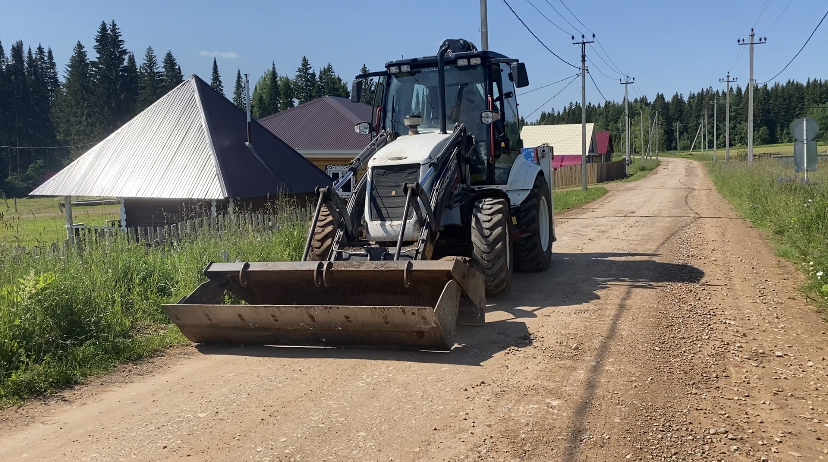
[{"x": 570, "y": 175}]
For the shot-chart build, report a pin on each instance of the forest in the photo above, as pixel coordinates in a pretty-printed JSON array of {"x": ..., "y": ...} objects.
[
  {"x": 47, "y": 120},
  {"x": 775, "y": 109}
]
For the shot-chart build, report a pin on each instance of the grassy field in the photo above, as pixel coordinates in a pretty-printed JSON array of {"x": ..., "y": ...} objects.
[
  {"x": 40, "y": 221},
  {"x": 571, "y": 198},
  {"x": 73, "y": 313},
  {"x": 793, "y": 211}
]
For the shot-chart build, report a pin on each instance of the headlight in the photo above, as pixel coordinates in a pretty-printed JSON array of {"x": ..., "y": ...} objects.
[
  {"x": 475, "y": 61},
  {"x": 405, "y": 68},
  {"x": 394, "y": 69},
  {"x": 462, "y": 62}
]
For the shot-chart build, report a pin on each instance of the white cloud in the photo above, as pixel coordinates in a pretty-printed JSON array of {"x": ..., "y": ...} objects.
[{"x": 219, "y": 54}]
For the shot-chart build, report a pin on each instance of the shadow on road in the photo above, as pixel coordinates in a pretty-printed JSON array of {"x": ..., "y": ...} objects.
[{"x": 573, "y": 279}]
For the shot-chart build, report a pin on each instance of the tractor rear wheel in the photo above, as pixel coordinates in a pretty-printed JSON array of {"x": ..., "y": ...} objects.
[
  {"x": 533, "y": 253},
  {"x": 491, "y": 236},
  {"x": 323, "y": 236}
]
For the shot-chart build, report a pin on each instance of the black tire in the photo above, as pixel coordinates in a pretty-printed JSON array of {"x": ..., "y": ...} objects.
[
  {"x": 491, "y": 240},
  {"x": 530, "y": 256},
  {"x": 323, "y": 236}
]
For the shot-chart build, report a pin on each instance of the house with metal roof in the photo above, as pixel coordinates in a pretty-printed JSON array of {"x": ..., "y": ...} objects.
[
  {"x": 604, "y": 146},
  {"x": 322, "y": 130},
  {"x": 565, "y": 141},
  {"x": 193, "y": 148}
]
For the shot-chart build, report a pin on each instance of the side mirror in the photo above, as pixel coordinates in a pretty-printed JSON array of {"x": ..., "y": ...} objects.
[
  {"x": 363, "y": 128},
  {"x": 489, "y": 117},
  {"x": 519, "y": 75},
  {"x": 356, "y": 90}
]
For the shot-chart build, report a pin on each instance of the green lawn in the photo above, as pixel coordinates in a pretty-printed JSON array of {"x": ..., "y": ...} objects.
[
  {"x": 572, "y": 198},
  {"x": 40, "y": 221}
]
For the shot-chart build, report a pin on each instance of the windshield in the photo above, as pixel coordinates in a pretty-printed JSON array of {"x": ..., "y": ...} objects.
[{"x": 415, "y": 93}]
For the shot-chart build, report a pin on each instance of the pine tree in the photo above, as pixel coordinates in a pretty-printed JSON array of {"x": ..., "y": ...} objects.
[
  {"x": 4, "y": 103},
  {"x": 215, "y": 79},
  {"x": 368, "y": 87},
  {"x": 52, "y": 78},
  {"x": 287, "y": 92},
  {"x": 150, "y": 84},
  {"x": 273, "y": 94},
  {"x": 129, "y": 89},
  {"x": 238, "y": 91},
  {"x": 21, "y": 117},
  {"x": 172, "y": 76},
  {"x": 305, "y": 82}
]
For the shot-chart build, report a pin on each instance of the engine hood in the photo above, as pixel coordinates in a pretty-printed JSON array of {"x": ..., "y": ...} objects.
[{"x": 416, "y": 149}]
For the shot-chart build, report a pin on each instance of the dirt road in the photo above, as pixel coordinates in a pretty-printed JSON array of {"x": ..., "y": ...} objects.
[{"x": 666, "y": 330}]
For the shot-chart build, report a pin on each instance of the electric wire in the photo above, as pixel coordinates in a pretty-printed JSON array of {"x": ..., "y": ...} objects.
[
  {"x": 590, "y": 30},
  {"x": 562, "y": 17},
  {"x": 536, "y": 37},
  {"x": 573, "y": 15},
  {"x": 764, "y": 8},
  {"x": 599, "y": 69},
  {"x": 596, "y": 87},
  {"x": 549, "y": 84},
  {"x": 605, "y": 62},
  {"x": 608, "y": 57},
  {"x": 550, "y": 21},
  {"x": 553, "y": 96},
  {"x": 798, "y": 52},
  {"x": 780, "y": 15},
  {"x": 738, "y": 55},
  {"x": 48, "y": 147}
]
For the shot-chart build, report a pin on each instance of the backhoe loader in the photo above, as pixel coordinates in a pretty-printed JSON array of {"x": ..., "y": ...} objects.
[{"x": 437, "y": 221}]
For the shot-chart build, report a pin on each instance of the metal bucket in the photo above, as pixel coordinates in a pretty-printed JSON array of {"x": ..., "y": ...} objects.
[{"x": 381, "y": 304}]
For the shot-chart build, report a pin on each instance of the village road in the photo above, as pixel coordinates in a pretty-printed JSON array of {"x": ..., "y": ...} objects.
[{"x": 666, "y": 329}]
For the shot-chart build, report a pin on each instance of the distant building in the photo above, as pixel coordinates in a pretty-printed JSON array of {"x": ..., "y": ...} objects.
[
  {"x": 604, "y": 144},
  {"x": 322, "y": 130},
  {"x": 187, "y": 154},
  {"x": 565, "y": 141}
]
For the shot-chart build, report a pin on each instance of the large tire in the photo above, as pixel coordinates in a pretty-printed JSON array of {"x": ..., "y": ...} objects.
[
  {"x": 323, "y": 236},
  {"x": 491, "y": 240},
  {"x": 533, "y": 253}
]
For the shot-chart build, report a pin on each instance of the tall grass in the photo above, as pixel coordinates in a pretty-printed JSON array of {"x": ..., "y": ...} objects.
[
  {"x": 771, "y": 196},
  {"x": 75, "y": 312}
]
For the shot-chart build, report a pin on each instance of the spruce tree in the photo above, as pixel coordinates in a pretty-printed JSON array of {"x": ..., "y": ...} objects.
[
  {"x": 150, "y": 85},
  {"x": 238, "y": 91},
  {"x": 107, "y": 73},
  {"x": 273, "y": 94},
  {"x": 368, "y": 87},
  {"x": 305, "y": 82},
  {"x": 287, "y": 93},
  {"x": 52, "y": 79},
  {"x": 72, "y": 110},
  {"x": 129, "y": 89},
  {"x": 172, "y": 76},
  {"x": 21, "y": 117},
  {"x": 265, "y": 99},
  {"x": 4, "y": 103},
  {"x": 215, "y": 79}
]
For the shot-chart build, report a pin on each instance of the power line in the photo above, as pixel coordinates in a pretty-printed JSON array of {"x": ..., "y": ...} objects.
[
  {"x": 562, "y": 17},
  {"x": 536, "y": 37},
  {"x": 780, "y": 15},
  {"x": 764, "y": 8},
  {"x": 798, "y": 52},
  {"x": 48, "y": 147},
  {"x": 549, "y": 84},
  {"x": 608, "y": 57},
  {"x": 573, "y": 15},
  {"x": 556, "y": 94},
  {"x": 550, "y": 21},
  {"x": 599, "y": 69},
  {"x": 596, "y": 87},
  {"x": 602, "y": 60}
]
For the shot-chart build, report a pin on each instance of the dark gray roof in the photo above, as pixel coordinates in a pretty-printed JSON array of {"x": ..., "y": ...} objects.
[
  {"x": 326, "y": 123},
  {"x": 190, "y": 144}
]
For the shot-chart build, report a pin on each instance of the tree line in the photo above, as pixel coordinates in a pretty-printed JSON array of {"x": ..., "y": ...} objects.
[
  {"x": 46, "y": 122},
  {"x": 776, "y": 107}
]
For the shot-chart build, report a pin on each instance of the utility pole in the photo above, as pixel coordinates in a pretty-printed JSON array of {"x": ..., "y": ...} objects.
[
  {"x": 677, "y": 138},
  {"x": 583, "y": 44},
  {"x": 727, "y": 115},
  {"x": 706, "y": 140},
  {"x": 762, "y": 41},
  {"x": 641, "y": 110},
  {"x": 484, "y": 26},
  {"x": 715, "y": 139},
  {"x": 626, "y": 82},
  {"x": 656, "y": 135}
]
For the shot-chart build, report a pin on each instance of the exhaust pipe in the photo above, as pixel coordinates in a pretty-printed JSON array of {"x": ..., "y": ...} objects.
[{"x": 441, "y": 85}]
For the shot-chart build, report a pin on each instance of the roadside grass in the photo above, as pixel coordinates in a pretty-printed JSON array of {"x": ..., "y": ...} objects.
[
  {"x": 641, "y": 168},
  {"x": 40, "y": 221},
  {"x": 75, "y": 312},
  {"x": 572, "y": 198},
  {"x": 793, "y": 211}
]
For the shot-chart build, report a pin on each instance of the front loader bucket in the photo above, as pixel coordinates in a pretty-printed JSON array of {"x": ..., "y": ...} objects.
[{"x": 386, "y": 304}]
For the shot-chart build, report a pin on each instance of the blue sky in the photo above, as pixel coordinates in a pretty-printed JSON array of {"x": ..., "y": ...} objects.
[{"x": 668, "y": 46}]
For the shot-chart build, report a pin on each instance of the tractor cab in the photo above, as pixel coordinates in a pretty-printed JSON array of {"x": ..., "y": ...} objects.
[{"x": 478, "y": 91}]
